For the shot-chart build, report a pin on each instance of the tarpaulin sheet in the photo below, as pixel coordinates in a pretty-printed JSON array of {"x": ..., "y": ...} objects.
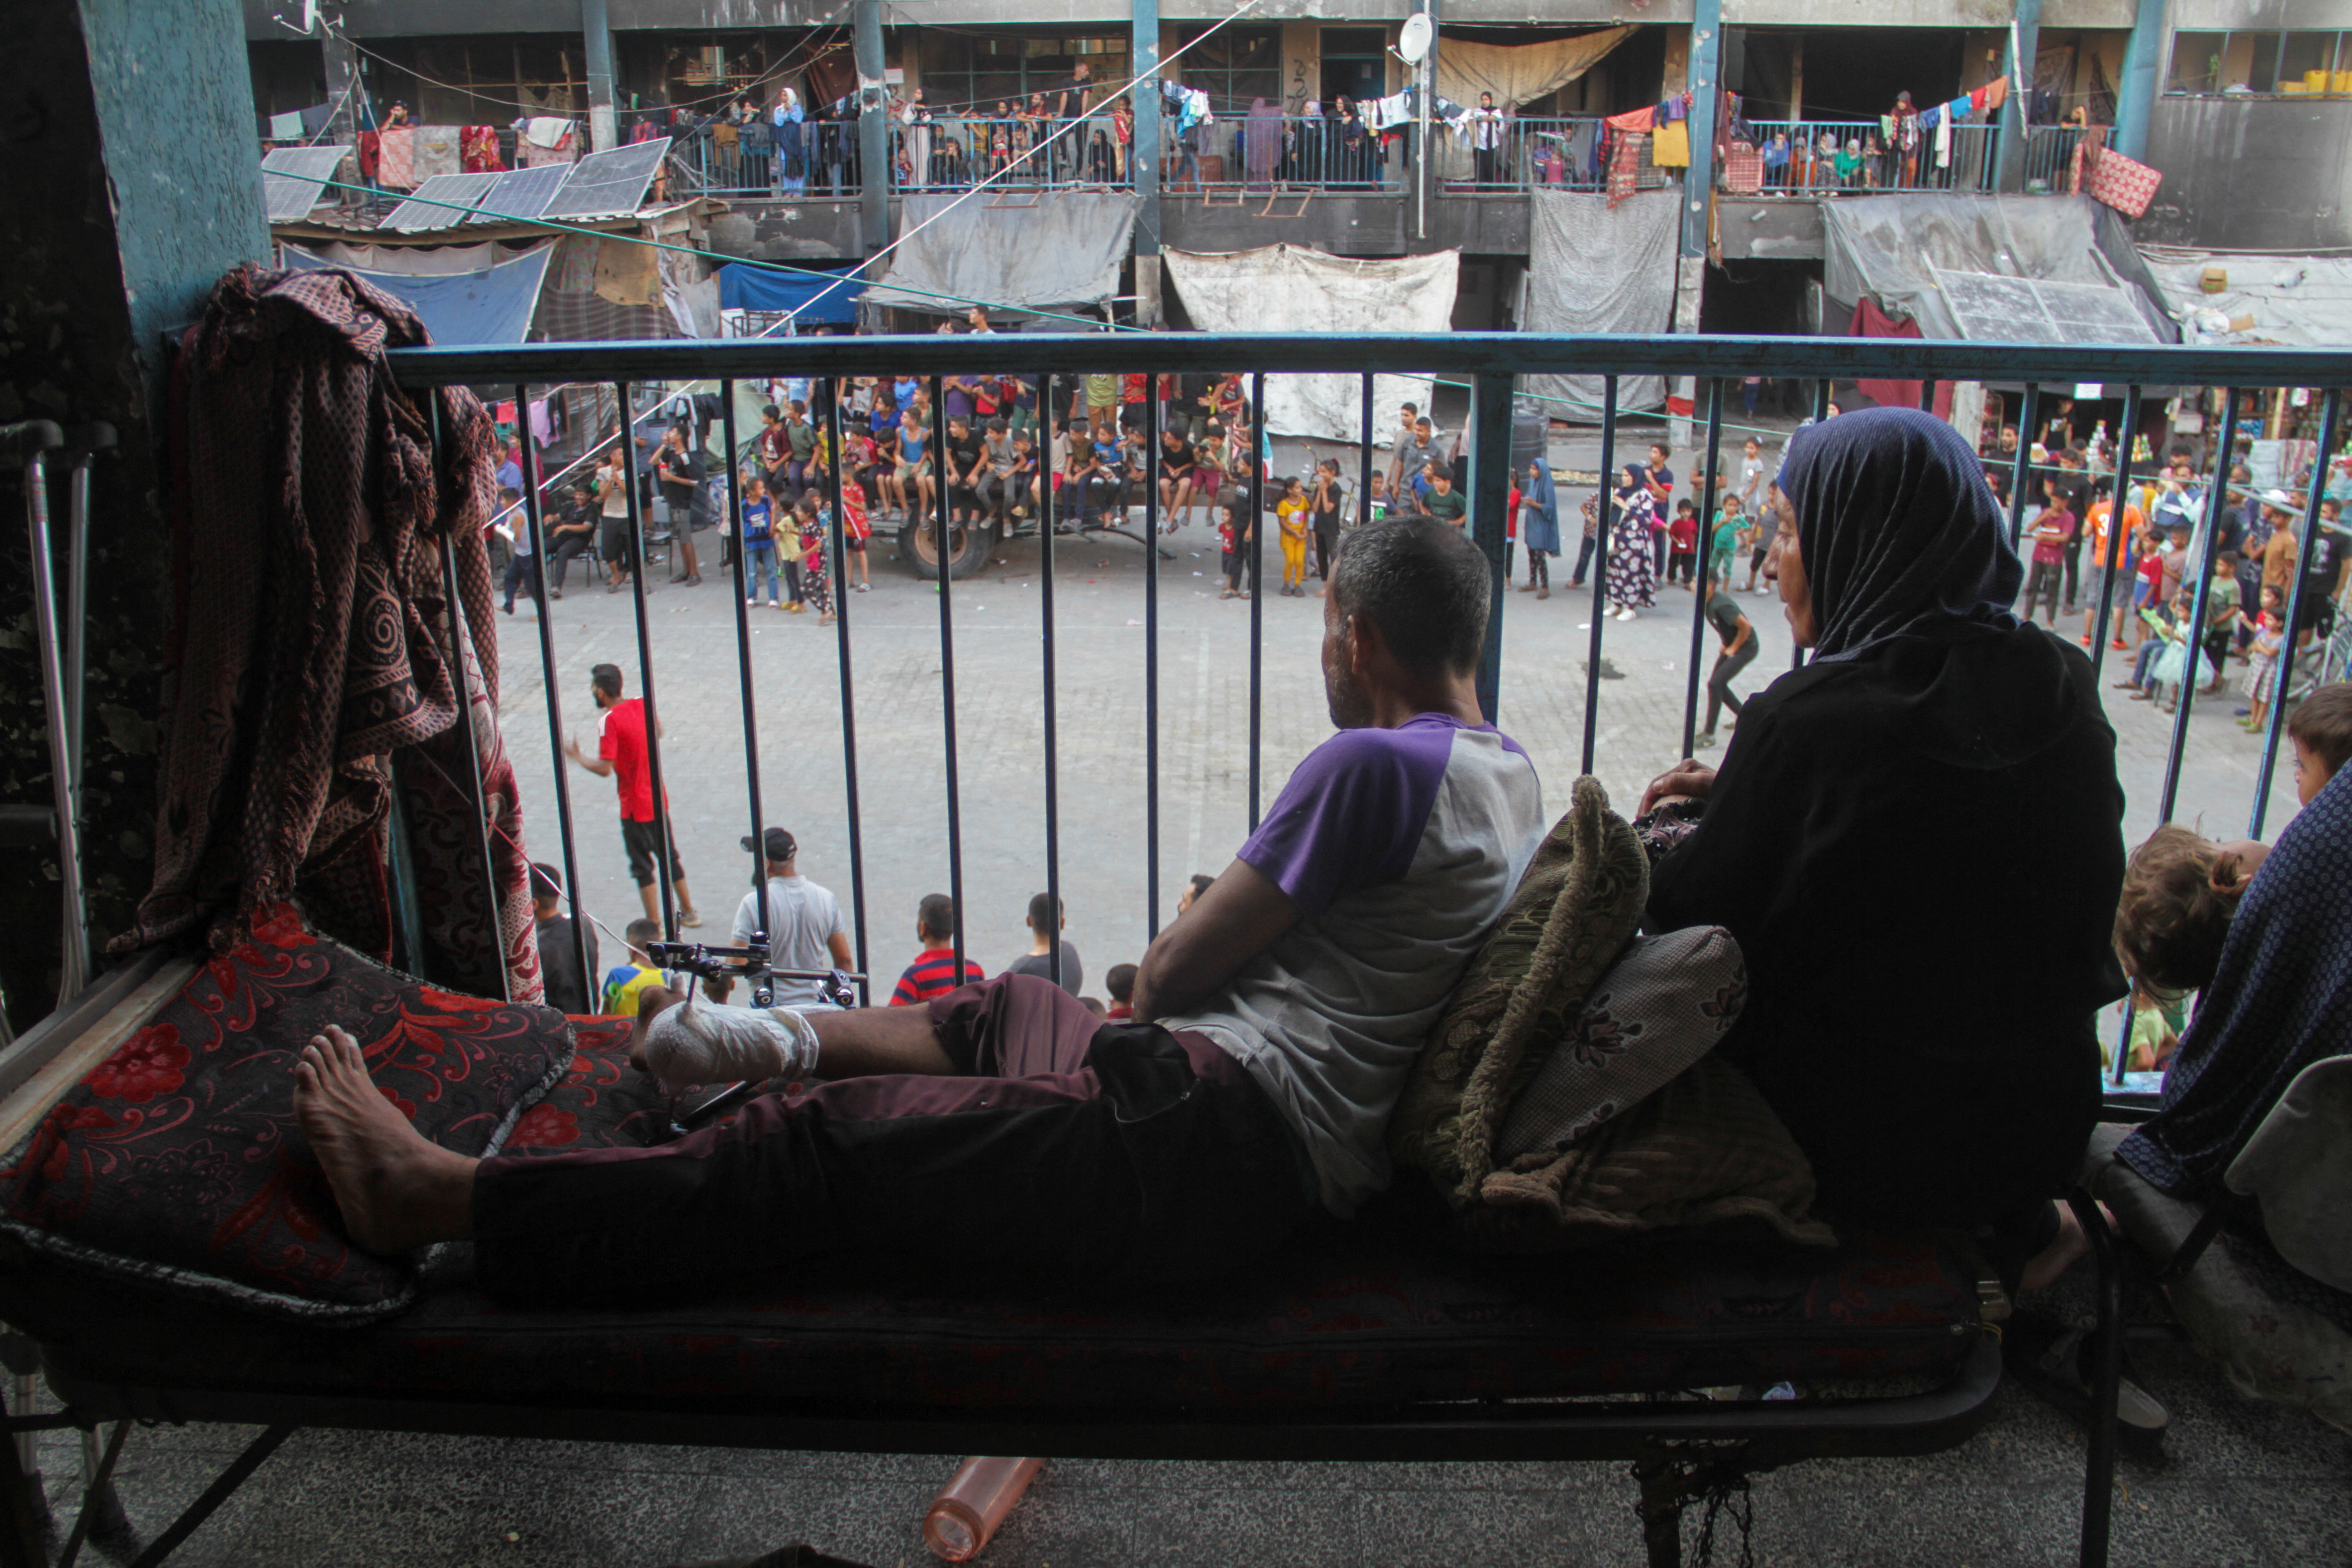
[
  {"x": 1885, "y": 246},
  {"x": 493, "y": 305},
  {"x": 1518, "y": 73},
  {"x": 1870, "y": 321},
  {"x": 417, "y": 260},
  {"x": 814, "y": 300},
  {"x": 1060, "y": 248},
  {"x": 2300, "y": 302},
  {"x": 1593, "y": 267},
  {"x": 1284, "y": 289}
]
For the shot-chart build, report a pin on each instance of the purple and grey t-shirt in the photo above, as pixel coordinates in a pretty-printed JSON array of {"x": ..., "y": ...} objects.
[{"x": 1402, "y": 849}]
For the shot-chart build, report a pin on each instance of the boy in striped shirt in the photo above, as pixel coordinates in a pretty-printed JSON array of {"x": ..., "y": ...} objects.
[{"x": 933, "y": 972}]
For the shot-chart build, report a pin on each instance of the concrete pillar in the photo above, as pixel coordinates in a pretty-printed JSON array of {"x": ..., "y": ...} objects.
[
  {"x": 2024, "y": 42},
  {"x": 2135, "y": 94},
  {"x": 151, "y": 108},
  {"x": 1690, "y": 277},
  {"x": 873, "y": 127},
  {"x": 603, "y": 125},
  {"x": 1705, "y": 76},
  {"x": 1143, "y": 162}
]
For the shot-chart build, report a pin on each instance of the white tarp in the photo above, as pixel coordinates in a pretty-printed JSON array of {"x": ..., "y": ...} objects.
[
  {"x": 2299, "y": 301},
  {"x": 1593, "y": 268},
  {"x": 1022, "y": 252},
  {"x": 1283, "y": 289}
]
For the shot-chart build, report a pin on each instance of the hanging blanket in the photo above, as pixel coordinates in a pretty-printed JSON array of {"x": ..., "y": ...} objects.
[
  {"x": 1625, "y": 165},
  {"x": 397, "y": 157},
  {"x": 311, "y": 643},
  {"x": 480, "y": 154}
]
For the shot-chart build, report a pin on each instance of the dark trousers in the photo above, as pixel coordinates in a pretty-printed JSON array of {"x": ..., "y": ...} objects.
[
  {"x": 2042, "y": 585},
  {"x": 1062, "y": 1151},
  {"x": 522, "y": 571},
  {"x": 1719, "y": 683},
  {"x": 1326, "y": 547},
  {"x": 570, "y": 546},
  {"x": 2073, "y": 572},
  {"x": 1489, "y": 161},
  {"x": 1584, "y": 557}
]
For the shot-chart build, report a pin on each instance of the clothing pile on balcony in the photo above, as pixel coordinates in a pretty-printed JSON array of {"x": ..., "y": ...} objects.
[
  {"x": 546, "y": 139},
  {"x": 313, "y": 642}
]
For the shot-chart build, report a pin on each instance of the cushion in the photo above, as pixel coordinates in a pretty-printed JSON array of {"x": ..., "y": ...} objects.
[
  {"x": 1662, "y": 1005},
  {"x": 176, "y": 1161},
  {"x": 1704, "y": 1148},
  {"x": 2298, "y": 1164},
  {"x": 1578, "y": 903}
]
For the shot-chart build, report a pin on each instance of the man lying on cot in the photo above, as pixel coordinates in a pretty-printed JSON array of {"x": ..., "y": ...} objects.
[{"x": 1287, "y": 1003}]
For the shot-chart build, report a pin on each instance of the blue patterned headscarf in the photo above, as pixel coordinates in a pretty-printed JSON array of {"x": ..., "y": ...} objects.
[
  {"x": 1898, "y": 530},
  {"x": 2281, "y": 999}
]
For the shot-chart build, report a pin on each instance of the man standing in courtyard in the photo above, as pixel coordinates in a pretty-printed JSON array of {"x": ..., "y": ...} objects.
[
  {"x": 1277, "y": 1021},
  {"x": 803, "y": 924},
  {"x": 621, "y": 756}
]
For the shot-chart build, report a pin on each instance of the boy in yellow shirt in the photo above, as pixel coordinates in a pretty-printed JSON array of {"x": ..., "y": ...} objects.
[{"x": 625, "y": 984}]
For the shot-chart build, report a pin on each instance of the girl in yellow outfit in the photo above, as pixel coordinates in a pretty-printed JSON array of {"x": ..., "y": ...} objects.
[{"x": 1290, "y": 513}]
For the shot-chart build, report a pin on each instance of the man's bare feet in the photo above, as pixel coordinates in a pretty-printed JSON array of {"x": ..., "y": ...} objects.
[{"x": 397, "y": 1191}]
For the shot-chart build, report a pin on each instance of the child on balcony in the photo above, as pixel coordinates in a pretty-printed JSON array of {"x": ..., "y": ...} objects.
[{"x": 2180, "y": 891}]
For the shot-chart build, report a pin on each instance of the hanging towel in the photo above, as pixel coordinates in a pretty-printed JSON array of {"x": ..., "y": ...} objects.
[
  {"x": 1633, "y": 120},
  {"x": 1996, "y": 92},
  {"x": 1670, "y": 149},
  {"x": 1886, "y": 128},
  {"x": 541, "y": 430},
  {"x": 1977, "y": 100},
  {"x": 1931, "y": 118},
  {"x": 1943, "y": 140},
  {"x": 397, "y": 157}
]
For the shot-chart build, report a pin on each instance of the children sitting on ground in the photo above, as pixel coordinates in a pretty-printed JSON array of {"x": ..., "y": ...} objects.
[
  {"x": 625, "y": 984},
  {"x": 934, "y": 971},
  {"x": 1290, "y": 516},
  {"x": 1121, "y": 984}
]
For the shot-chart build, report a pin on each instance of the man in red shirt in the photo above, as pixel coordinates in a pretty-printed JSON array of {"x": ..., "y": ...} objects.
[
  {"x": 933, "y": 972},
  {"x": 621, "y": 756}
]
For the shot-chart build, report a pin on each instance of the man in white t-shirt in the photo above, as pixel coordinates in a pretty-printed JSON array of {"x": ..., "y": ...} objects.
[
  {"x": 1276, "y": 1023},
  {"x": 803, "y": 924}
]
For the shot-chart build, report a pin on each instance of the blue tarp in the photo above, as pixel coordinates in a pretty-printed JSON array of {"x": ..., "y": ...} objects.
[
  {"x": 494, "y": 305},
  {"x": 745, "y": 287}
]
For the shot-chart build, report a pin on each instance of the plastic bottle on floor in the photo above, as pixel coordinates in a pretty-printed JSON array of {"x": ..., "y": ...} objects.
[{"x": 968, "y": 1510}]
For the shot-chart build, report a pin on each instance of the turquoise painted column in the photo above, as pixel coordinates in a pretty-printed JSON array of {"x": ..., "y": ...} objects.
[
  {"x": 1705, "y": 76},
  {"x": 2136, "y": 94},
  {"x": 2024, "y": 42}
]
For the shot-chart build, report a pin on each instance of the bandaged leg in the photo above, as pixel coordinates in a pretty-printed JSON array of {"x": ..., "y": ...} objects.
[{"x": 693, "y": 1043}]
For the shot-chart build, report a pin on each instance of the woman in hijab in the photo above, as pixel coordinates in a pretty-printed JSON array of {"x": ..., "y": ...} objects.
[
  {"x": 1916, "y": 839},
  {"x": 791, "y": 144},
  {"x": 1539, "y": 526},
  {"x": 1261, "y": 143},
  {"x": 1633, "y": 571}
]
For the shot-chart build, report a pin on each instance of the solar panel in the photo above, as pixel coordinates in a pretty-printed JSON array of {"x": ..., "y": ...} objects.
[
  {"x": 1998, "y": 309},
  {"x": 609, "y": 184},
  {"x": 442, "y": 202},
  {"x": 293, "y": 179},
  {"x": 521, "y": 193}
]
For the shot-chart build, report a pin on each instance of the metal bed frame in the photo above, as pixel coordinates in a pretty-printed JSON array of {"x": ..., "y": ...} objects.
[{"x": 1682, "y": 1448}]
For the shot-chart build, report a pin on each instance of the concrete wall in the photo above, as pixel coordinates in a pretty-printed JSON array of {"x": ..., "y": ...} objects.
[
  {"x": 136, "y": 184},
  {"x": 2251, "y": 174}
]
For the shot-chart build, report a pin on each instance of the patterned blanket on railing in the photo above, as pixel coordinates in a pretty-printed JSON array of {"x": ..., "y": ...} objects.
[{"x": 312, "y": 638}]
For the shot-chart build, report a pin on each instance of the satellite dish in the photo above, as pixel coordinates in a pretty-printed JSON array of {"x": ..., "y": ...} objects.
[{"x": 1412, "y": 42}]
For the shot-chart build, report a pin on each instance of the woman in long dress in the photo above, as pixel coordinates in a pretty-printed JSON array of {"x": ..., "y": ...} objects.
[{"x": 1633, "y": 573}]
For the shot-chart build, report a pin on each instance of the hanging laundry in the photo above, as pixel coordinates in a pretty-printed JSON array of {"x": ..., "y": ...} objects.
[
  {"x": 1634, "y": 119},
  {"x": 480, "y": 153},
  {"x": 1670, "y": 148},
  {"x": 1996, "y": 92},
  {"x": 541, "y": 430},
  {"x": 1930, "y": 118},
  {"x": 1625, "y": 165},
  {"x": 1977, "y": 100},
  {"x": 397, "y": 157},
  {"x": 371, "y": 153},
  {"x": 1943, "y": 140}
]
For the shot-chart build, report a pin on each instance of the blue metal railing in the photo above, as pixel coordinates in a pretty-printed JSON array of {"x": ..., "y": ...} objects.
[
  {"x": 1854, "y": 157},
  {"x": 1492, "y": 364}
]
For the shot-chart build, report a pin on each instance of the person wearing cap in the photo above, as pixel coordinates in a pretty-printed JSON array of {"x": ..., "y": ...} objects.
[{"x": 803, "y": 925}]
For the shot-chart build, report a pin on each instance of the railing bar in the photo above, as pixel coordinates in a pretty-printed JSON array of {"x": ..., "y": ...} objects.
[
  {"x": 1604, "y": 519},
  {"x": 2214, "y": 499},
  {"x": 2022, "y": 472},
  {"x": 1257, "y": 586},
  {"x": 1151, "y": 675},
  {"x": 2119, "y": 536},
  {"x": 1364, "y": 464},
  {"x": 1820, "y": 414},
  {"x": 664, "y": 843},
  {"x": 2282, "y": 673},
  {"x": 1927, "y": 396},
  {"x": 1701, "y": 583},
  {"x": 461, "y": 642},
  {"x": 580, "y": 926},
  {"x": 741, "y": 575},
  {"x": 1489, "y": 501},
  {"x": 839, "y": 541},
  {"x": 939, "y": 446},
  {"x": 1052, "y": 800}
]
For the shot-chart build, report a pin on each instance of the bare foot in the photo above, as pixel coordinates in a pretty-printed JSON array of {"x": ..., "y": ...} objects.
[
  {"x": 2043, "y": 1270},
  {"x": 397, "y": 1191}
]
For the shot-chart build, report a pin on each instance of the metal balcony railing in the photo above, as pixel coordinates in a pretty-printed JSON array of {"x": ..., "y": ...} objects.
[
  {"x": 1843, "y": 157},
  {"x": 1492, "y": 364}
]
